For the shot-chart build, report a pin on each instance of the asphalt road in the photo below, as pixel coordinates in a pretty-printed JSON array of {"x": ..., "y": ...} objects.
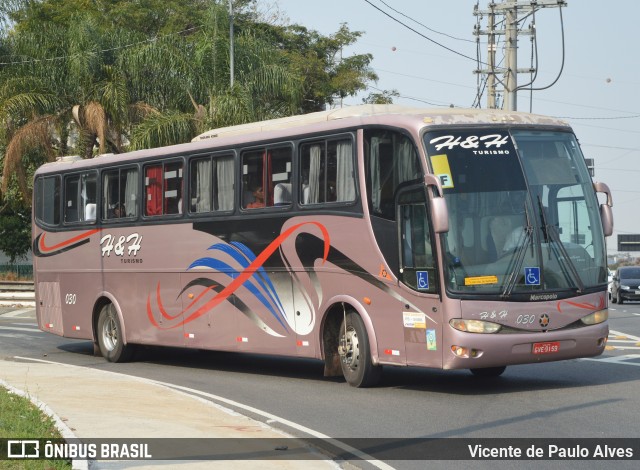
[{"x": 587, "y": 398}]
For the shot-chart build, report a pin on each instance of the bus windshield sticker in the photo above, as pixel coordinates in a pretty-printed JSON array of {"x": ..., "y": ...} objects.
[
  {"x": 442, "y": 170},
  {"x": 432, "y": 344},
  {"x": 532, "y": 276},
  {"x": 480, "y": 280},
  {"x": 422, "y": 278},
  {"x": 414, "y": 320}
]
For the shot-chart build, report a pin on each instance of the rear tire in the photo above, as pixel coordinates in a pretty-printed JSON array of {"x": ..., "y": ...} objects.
[
  {"x": 110, "y": 336},
  {"x": 488, "y": 371},
  {"x": 355, "y": 353}
]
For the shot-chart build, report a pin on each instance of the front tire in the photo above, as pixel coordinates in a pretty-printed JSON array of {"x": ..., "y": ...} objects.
[
  {"x": 488, "y": 371},
  {"x": 110, "y": 336},
  {"x": 355, "y": 353}
]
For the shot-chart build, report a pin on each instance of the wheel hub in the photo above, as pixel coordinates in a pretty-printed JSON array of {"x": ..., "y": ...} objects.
[{"x": 349, "y": 348}]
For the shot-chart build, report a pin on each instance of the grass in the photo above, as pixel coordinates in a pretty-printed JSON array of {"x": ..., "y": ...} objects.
[{"x": 19, "y": 418}]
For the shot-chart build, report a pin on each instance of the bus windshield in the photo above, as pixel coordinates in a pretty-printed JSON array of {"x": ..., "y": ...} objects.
[{"x": 523, "y": 214}]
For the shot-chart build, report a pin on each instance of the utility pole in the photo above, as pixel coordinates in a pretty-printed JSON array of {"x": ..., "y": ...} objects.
[
  {"x": 231, "y": 66},
  {"x": 514, "y": 11},
  {"x": 491, "y": 59}
]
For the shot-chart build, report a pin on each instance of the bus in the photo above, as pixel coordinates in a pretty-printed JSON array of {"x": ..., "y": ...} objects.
[{"x": 367, "y": 236}]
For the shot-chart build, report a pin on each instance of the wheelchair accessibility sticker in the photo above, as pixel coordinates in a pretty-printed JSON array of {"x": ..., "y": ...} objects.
[
  {"x": 532, "y": 276},
  {"x": 422, "y": 279}
]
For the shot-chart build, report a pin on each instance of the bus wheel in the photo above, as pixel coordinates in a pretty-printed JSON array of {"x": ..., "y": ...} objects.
[
  {"x": 110, "y": 338},
  {"x": 355, "y": 354},
  {"x": 488, "y": 371}
]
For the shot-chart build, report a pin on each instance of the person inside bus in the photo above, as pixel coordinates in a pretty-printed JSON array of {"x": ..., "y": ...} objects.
[
  {"x": 118, "y": 211},
  {"x": 258, "y": 199}
]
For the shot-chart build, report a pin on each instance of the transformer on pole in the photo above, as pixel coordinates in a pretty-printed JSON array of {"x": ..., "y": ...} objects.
[{"x": 514, "y": 11}]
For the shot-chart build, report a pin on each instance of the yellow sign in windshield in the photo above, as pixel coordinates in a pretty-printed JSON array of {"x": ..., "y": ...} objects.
[{"x": 480, "y": 280}]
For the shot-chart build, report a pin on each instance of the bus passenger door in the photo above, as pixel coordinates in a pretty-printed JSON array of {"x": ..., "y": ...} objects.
[{"x": 419, "y": 281}]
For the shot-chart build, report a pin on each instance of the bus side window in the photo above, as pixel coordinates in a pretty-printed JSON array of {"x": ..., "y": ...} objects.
[
  {"x": 163, "y": 188},
  {"x": 327, "y": 172},
  {"x": 172, "y": 188},
  {"x": 48, "y": 200},
  {"x": 391, "y": 159},
  {"x": 211, "y": 184},
  {"x": 120, "y": 193},
  {"x": 266, "y": 175},
  {"x": 79, "y": 195}
]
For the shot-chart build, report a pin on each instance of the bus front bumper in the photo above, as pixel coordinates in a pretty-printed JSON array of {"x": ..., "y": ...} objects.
[{"x": 464, "y": 350}]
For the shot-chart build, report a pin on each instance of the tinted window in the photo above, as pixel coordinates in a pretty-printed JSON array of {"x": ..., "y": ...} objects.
[
  {"x": 327, "y": 172},
  {"x": 48, "y": 200},
  {"x": 211, "y": 184},
  {"x": 391, "y": 159},
  {"x": 163, "y": 188},
  {"x": 266, "y": 178},
  {"x": 120, "y": 193},
  {"x": 630, "y": 273},
  {"x": 80, "y": 197}
]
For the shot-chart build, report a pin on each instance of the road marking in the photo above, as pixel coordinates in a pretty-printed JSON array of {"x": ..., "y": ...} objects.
[
  {"x": 624, "y": 360},
  {"x": 18, "y": 328},
  {"x": 16, "y": 313},
  {"x": 623, "y": 335},
  {"x": 197, "y": 394}
]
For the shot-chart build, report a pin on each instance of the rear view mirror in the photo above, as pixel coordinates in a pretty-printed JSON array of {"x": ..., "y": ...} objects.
[
  {"x": 606, "y": 213},
  {"x": 437, "y": 205}
]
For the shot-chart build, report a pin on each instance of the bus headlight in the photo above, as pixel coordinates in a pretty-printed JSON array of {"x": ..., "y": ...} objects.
[
  {"x": 474, "y": 326},
  {"x": 596, "y": 317}
]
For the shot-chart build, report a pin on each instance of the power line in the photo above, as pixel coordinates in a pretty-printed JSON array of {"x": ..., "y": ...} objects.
[
  {"x": 50, "y": 59},
  {"x": 419, "y": 33},
  {"x": 425, "y": 26}
]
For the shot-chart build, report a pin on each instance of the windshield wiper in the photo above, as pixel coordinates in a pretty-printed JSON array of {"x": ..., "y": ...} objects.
[
  {"x": 518, "y": 258},
  {"x": 554, "y": 241}
]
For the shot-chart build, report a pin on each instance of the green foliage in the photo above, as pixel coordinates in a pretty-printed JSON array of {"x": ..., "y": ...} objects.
[
  {"x": 125, "y": 74},
  {"x": 19, "y": 418},
  {"x": 15, "y": 234},
  {"x": 382, "y": 97},
  {"x": 163, "y": 129}
]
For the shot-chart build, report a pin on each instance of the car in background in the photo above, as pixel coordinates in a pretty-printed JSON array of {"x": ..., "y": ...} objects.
[{"x": 626, "y": 284}]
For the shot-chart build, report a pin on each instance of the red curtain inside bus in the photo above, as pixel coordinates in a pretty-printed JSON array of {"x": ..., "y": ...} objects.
[{"x": 153, "y": 183}]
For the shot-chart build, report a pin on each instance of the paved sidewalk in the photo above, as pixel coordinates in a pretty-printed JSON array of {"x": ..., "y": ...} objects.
[{"x": 97, "y": 404}]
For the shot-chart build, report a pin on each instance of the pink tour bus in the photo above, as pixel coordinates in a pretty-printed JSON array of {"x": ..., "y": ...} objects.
[{"x": 367, "y": 236}]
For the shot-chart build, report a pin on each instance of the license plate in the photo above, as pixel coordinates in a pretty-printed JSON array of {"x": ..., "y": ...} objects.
[{"x": 546, "y": 348}]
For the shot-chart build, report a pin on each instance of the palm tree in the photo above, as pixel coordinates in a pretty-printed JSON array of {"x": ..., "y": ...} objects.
[
  {"x": 60, "y": 95},
  {"x": 265, "y": 86}
]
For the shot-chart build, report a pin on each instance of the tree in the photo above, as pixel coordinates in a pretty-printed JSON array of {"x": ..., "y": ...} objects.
[
  {"x": 328, "y": 74},
  {"x": 91, "y": 77},
  {"x": 381, "y": 97},
  {"x": 15, "y": 234}
]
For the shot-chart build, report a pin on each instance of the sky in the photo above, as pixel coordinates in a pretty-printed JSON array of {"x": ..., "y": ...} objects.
[{"x": 597, "y": 91}]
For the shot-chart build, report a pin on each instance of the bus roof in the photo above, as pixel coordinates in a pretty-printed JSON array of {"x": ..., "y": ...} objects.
[
  {"x": 430, "y": 116},
  {"x": 348, "y": 117}
]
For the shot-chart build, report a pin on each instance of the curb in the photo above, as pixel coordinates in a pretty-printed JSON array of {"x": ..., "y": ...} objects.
[{"x": 64, "y": 430}]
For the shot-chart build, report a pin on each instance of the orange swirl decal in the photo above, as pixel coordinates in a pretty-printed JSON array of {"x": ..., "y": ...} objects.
[
  {"x": 41, "y": 249},
  {"x": 237, "y": 282},
  {"x": 585, "y": 306}
]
